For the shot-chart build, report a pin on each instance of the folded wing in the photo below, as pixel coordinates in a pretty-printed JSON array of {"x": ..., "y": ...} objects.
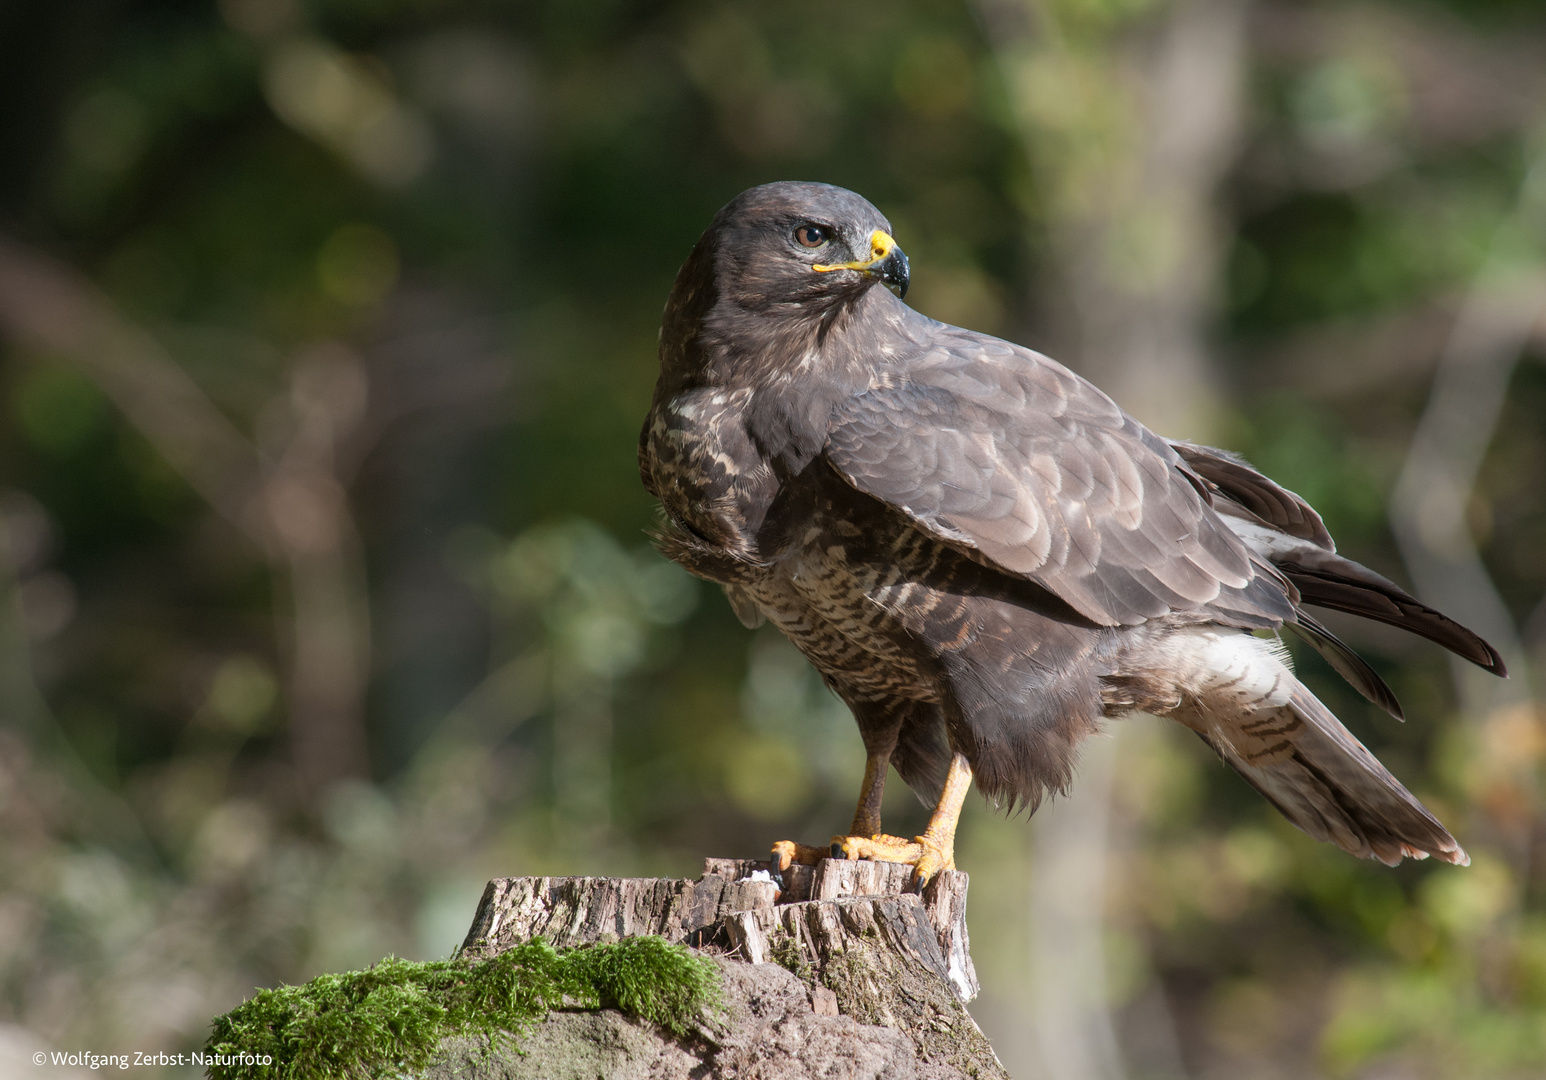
[{"x": 1013, "y": 459}]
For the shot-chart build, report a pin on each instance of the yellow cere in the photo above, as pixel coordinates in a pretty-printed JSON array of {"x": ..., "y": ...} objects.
[{"x": 880, "y": 246}]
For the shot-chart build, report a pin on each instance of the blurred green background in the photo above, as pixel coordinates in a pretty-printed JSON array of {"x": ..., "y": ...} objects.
[{"x": 328, "y": 330}]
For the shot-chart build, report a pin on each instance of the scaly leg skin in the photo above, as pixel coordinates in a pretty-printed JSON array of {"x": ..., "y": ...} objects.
[{"x": 935, "y": 849}]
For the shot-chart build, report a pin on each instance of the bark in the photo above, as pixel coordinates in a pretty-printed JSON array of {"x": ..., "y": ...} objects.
[{"x": 846, "y": 970}]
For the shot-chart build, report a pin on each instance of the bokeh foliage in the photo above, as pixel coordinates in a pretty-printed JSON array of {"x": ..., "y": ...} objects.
[{"x": 414, "y": 253}]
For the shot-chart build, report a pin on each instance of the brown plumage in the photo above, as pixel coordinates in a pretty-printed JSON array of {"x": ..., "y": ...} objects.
[{"x": 982, "y": 554}]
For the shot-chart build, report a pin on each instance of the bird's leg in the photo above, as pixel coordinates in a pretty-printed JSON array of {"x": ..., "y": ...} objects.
[
  {"x": 939, "y": 838},
  {"x": 935, "y": 849},
  {"x": 879, "y": 742},
  {"x": 865, "y": 835},
  {"x": 867, "y": 813}
]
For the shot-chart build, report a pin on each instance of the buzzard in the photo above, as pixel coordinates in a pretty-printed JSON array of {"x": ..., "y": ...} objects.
[{"x": 983, "y": 555}]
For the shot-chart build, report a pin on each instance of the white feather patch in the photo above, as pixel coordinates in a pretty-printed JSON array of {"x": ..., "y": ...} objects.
[{"x": 1223, "y": 668}]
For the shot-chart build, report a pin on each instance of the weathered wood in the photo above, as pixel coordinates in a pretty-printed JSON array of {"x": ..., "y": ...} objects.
[
  {"x": 570, "y": 911},
  {"x": 944, "y": 899},
  {"x": 860, "y": 935}
]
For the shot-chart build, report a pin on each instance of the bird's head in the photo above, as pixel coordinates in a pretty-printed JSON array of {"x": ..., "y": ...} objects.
[
  {"x": 778, "y": 270},
  {"x": 791, "y": 243}
]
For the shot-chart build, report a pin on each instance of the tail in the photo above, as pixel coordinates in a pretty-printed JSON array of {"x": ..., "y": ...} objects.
[{"x": 1301, "y": 758}]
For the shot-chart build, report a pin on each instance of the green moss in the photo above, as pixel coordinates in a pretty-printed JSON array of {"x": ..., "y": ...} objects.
[
  {"x": 850, "y": 975},
  {"x": 392, "y": 1017},
  {"x": 786, "y": 952}
]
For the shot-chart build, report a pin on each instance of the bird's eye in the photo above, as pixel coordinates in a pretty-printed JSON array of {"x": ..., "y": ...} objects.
[{"x": 812, "y": 236}]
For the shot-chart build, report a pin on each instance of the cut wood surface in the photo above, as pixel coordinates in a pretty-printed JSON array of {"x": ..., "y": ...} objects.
[{"x": 865, "y": 948}]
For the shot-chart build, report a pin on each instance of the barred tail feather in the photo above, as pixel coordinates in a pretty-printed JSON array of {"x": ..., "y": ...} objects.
[{"x": 1323, "y": 780}]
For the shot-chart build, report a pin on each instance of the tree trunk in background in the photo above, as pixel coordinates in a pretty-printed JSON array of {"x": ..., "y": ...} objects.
[
  {"x": 1429, "y": 505},
  {"x": 1130, "y": 129},
  {"x": 1429, "y": 512},
  {"x": 442, "y": 373},
  {"x": 290, "y": 503}
]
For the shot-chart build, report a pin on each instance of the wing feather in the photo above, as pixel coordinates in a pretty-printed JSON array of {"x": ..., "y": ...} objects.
[
  {"x": 1015, "y": 460},
  {"x": 1266, "y": 501}
]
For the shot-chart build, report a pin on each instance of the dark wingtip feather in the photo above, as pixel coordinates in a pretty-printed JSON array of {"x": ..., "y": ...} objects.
[
  {"x": 1347, "y": 663},
  {"x": 1351, "y": 588},
  {"x": 1497, "y": 667}
]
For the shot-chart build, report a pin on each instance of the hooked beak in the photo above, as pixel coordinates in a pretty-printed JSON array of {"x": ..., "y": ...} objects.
[{"x": 886, "y": 262}]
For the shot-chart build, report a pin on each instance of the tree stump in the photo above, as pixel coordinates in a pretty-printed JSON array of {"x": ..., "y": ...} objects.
[{"x": 844, "y": 969}]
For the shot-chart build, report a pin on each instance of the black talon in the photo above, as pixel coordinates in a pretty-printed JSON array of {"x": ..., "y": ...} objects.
[{"x": 837, "y": 851}]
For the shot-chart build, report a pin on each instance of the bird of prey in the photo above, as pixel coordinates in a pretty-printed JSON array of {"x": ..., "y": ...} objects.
[{"x": 983, "y": 555}]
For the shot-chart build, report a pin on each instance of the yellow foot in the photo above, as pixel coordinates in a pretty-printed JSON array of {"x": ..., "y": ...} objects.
[
  {"x": 880, "y": 847},
  {"x": 927, "y": 856},
  {"x": 788, "y": 852}
]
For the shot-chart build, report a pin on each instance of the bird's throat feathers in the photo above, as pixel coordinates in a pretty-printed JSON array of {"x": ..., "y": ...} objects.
[
  {"x": 830, "y": 346},
  {"x": 793, "y": 369}
]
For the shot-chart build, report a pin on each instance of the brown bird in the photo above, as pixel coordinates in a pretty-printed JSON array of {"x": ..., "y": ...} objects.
[{"x": 983, "y": 555}]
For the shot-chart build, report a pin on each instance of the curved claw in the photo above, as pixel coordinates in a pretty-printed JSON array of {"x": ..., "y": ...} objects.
[
  {"x": 934, "y": 859},
  {"x": 788, "y": 852}
]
